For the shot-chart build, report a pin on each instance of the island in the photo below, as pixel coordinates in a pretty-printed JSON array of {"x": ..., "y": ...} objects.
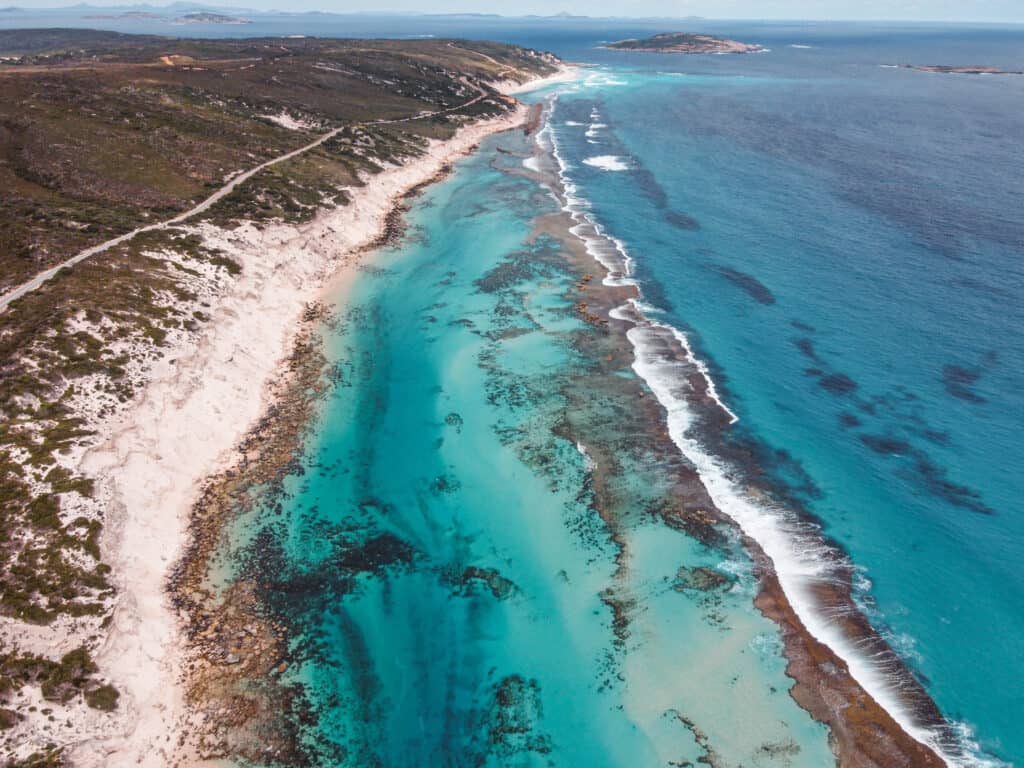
[
  {"x": 968, "y": 70},
  {"x": 205, "y": 17},
  {"x": 683, "y": 42}
]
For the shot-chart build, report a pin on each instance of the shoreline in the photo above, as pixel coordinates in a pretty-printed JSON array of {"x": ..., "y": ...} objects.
[
  {"x": 186, "y": 425},
  {"x": 825, "y": 685}
]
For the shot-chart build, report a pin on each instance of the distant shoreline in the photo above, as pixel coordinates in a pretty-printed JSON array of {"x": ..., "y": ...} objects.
[{"x": 943, "y": 69}]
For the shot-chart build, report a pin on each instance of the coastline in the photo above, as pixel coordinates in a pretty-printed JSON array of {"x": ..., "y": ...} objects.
[
  {"x": 867, "y": 729},
  {"x": 196, "y": 405},
  {"x": 197, "y": 408}
]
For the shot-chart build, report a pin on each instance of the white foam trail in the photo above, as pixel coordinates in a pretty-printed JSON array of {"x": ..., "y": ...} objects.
[
  {"x": 800, "y": 560},
  {"x": 589, "y": 465},
  {"x": 799, "y": 554},
  {"x": 607, "y": 163}
]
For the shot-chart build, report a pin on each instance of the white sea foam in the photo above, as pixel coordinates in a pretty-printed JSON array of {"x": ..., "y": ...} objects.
[
  {"x": 573, "y": 123},
  {"x": 607, "y": 163},
  {"x": 531, "y": 164},
  {"x": 801, "y": 560},
  {"x": 796, "y": 45},
  {"x": 588, "y": 463},
  {"x": 799, "y": 554}
]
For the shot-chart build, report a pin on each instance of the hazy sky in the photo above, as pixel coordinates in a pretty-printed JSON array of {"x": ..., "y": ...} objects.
[{"x": 933, "y": 10}]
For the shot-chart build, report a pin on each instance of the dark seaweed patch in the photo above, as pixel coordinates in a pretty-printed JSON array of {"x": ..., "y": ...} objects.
[
  {"x": 937, "y": 437},
  {"x": 838, "y": 384},
  {"x": 648, "y": 184},
  {"x": 757, "y": 290},
  {"x": 807, "y": 347},
  {"x": 701, "y": 580},
  {"x": 954, "y": 493},
  {"x": 800, "y": 325},
  {"x": 468, "y": 581},
  {"x": 849, "y": 420},
  {"x": 959, "y": 381},
  {"x": 518, "y": 267},
  {"x": 454, "y": 420},
  {"x": 376, "y": 554},
  {"x": 682, "y": 221},
  {"x": 886, "y": 445},
  {"x": 513, "y": 721},
  {"x": 932, "y": 476}
]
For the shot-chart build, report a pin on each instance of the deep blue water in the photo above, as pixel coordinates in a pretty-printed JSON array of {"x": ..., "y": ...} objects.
[
  {"x": 842, "y": 243},
  {"x": 854, "y": 273}
]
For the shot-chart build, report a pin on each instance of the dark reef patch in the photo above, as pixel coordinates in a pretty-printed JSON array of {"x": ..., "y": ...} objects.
[
  {"x": 930, "y": 475},
  {"x": 849, "y": 420},
  {"x": 958, "y": 495},
  {"x": 959, "y": 381},
  {"x": 648, "y": 184},
  {"x": 806, "y": 346},
  {"x": 887, "y": 446},
  {"x": 682, "y": 221},
  {"x": 754, "y": 288},
  {"x": 838, "y": 384},
  {"x": 513, "y": 721},
  {"x": 468, "y": 581},
  {"x": 701, "y": 579}
]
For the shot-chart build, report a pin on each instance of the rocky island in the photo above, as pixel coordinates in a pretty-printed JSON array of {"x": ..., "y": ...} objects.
[{"x": 683, "y": 42}]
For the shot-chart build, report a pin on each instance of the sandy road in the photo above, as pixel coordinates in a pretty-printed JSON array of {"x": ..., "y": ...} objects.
[{"x": 27, "y": 287}]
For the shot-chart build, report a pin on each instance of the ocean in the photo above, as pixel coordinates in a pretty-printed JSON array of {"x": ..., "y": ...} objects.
[{"x": 475, "y": 554}]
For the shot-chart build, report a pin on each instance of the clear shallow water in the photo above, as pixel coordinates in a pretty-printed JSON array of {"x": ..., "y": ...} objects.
[
  {"x": 842, "y": 245},
  {"x": 447, "y": 578}
]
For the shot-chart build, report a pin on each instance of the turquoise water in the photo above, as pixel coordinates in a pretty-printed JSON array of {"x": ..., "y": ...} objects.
[
  {"x": 446, "y": 576},
  {"x": 840, "y": 244}
]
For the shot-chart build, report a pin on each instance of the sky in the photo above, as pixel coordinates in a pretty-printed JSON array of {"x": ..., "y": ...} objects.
[{"x": 930, "y": 10}]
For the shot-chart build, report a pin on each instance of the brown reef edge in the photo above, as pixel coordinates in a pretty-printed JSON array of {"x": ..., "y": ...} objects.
[
  {"x": 238, "y": 653},
  {"x": 862, "y": 733}
]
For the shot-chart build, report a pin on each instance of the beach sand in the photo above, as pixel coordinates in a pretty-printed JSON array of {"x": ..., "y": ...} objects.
[{"x": 198, "y": 400}]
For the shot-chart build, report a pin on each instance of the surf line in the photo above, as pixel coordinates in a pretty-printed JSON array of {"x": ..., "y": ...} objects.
[{"x": 801, "y": 558}]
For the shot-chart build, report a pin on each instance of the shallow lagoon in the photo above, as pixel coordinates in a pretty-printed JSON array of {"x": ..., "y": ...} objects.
[{"x": 453, "y": 595}]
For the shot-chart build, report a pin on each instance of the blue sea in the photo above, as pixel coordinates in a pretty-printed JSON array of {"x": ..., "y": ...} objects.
[
  {"x": 840, "y": 243},
  {"x": 851, "y": 266}
]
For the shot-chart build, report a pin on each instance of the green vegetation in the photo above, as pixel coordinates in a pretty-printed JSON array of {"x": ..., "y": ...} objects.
[
  {"x": 58, "y": 681},
  {"x": 101, "y": 133},
  {"x": 105, "y": 697},
  {"x": 683, "y": 42},
  {"x": 51, "y": 758}
]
